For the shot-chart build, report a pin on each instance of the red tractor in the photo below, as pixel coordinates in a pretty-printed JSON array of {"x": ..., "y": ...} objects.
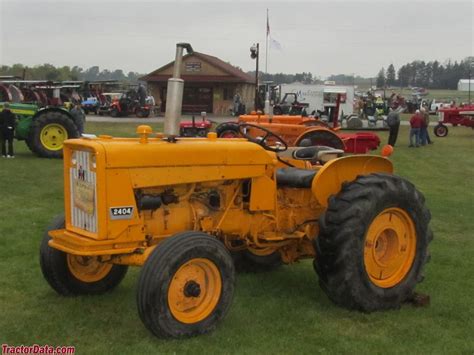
[
  {"x": 462, "y": 116},
  {"x": 290, "y": 105},
  {"x": 129, "y": 104},
  {"x": 195, "y": 129}
]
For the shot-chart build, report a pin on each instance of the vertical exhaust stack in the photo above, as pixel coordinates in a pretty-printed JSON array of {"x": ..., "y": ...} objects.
[{"x": 174, "y": 95}]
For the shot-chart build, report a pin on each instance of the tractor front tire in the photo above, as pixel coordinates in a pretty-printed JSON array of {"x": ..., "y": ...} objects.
[
  {"x": 71, "y": 275},
  {"x": 142, "y": 113},
  {"x": 440, "y": 130},
  {"x": 373, "y": 243},
  {"x": 186, "y": 286},
  {"x": 48, "y": 132},
  {"x": 114, "y": 112},
  {"x": 277, "y": 111},
  {"x": 228, "y": 130}
]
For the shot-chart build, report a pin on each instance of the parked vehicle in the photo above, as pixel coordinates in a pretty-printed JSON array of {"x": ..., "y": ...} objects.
[
  {"x": 436, "y": 106},
  {"x": 457, "y": 116},
  {"x": 44, "y": 129},
  {"x": 91, "y": 104},
  {"x": 128, "y": 104},
  {"x": 320, "y": 98},
  {"x": 290, "y": 105}
]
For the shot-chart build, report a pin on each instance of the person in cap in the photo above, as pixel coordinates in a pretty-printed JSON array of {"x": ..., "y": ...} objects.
[{"x": 7, "y": 131}]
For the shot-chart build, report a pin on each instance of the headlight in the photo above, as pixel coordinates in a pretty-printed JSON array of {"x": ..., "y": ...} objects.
[
  {"x": 74, "y": 158},
  {"x": 93, "y": 161}
]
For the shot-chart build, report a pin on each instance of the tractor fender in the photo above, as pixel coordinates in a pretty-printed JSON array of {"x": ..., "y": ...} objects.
[
  {"x": 44, "y": 110},
  {"x": 329, "y": 179},
  {"x": 308, "y": 132}
]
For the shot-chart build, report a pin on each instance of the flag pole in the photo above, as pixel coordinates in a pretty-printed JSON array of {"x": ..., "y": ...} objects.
[{"x": 266, "y": 45}]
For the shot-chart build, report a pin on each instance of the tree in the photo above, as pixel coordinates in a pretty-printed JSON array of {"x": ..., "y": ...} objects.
[
  {"x": 391, "y": 75},
  {"x": 381, "y": 78}
]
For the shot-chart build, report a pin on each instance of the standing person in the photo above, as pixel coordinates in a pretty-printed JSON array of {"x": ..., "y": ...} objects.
[
  {"x": 415, "y": 123},
  {"x": 424, "y": 135},
  {"x": 7, "y": 130},
  {"x": 79, "y": 117},
  {"x": 141, "y": 95},
  {"x": 237, "y": 102},
  {"x": 393, "y": 122}
]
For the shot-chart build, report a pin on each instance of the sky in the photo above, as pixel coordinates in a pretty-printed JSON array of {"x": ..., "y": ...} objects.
[{"x": 321, "y": 37}]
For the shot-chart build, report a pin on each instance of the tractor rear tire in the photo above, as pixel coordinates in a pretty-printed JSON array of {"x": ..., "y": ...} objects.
[
  {"x": 354, "y": 122},
  {"x": 48, "y": 132},
  {"x": 373, "y": 243},
  {"x": 228, "y": 130},
  {"x": 186, "y": 286},
  {"x": 68, "y": 280},
  {"x": 323, "y": 137},
  {"x": 315, "y": 123}
]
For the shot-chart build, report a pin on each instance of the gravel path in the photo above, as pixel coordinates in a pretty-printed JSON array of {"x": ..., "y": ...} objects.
[{"x": 217, "y": 119}]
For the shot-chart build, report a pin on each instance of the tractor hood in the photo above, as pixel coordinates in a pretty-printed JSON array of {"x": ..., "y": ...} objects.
[{"x": 157, "y": 152}]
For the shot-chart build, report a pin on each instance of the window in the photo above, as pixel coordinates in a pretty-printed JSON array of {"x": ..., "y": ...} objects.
[{"x": 228, "y": 94}]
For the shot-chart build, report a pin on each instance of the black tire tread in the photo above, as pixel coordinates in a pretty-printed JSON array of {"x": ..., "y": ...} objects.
[
  {"x": 322, "y": 137},
  {"x": 33, "y": 140},
  {"x": 227, "y": 126},
  {"x": 159, "y": 268},
  {"x": 339, "y": 246},
  {"x": 54, "y": 268}
]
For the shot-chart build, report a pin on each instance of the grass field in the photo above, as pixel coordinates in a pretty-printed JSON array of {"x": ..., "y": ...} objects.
[{"x": 279, "y": 312}]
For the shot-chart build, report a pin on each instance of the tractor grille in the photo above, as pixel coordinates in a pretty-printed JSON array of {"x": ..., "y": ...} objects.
[{"x": 83, "y": 192}]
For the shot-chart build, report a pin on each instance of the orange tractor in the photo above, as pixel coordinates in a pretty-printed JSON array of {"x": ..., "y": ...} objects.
[{"x": 301, "y": 131}]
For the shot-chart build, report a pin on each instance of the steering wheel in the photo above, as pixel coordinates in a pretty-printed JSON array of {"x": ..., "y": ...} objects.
[{"x": 262, "y": 141}]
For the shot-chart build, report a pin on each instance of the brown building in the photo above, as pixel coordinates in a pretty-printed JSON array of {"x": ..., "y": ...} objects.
[{"x": 209, "y": 84}]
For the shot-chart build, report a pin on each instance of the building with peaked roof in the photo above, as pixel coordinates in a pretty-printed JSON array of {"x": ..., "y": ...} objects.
[{"x": 209, "y": 84}]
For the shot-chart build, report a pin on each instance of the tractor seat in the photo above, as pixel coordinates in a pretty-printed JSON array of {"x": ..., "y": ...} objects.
[{"x": 294, "y": 177}]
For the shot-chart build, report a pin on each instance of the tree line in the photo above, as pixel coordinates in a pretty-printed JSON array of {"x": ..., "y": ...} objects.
[
  {"x": 431, "y": 75},
  {"x": 66, "y": 73}
]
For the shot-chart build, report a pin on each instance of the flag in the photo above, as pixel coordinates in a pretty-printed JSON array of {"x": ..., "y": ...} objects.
[
  {"x": 275, "y": 44},
  {"x": 268, "y": 25}
]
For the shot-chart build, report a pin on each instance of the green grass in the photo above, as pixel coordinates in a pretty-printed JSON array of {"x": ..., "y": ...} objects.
[{"x": 280, "y": 312}]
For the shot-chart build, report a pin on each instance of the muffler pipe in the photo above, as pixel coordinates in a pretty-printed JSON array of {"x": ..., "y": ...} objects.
[{"x": 174, "y": 94}]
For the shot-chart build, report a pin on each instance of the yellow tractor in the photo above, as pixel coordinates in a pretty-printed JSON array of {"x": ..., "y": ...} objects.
[{"x": 184, "y": 207}]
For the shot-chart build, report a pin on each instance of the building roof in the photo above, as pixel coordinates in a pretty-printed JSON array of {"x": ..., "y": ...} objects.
[{"x": 234, "y": 74}]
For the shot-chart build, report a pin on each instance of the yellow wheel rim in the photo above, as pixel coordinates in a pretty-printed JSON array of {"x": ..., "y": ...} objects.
[
  {"x": 194, "y": 291},
  {"x": 390, "y": 247},
  {"x": 52, "y": 136},
  {"x": 87, "y": 268}
]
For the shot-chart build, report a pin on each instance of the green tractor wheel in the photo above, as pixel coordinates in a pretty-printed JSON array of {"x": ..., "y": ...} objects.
[{"x": 48, "y": 132}]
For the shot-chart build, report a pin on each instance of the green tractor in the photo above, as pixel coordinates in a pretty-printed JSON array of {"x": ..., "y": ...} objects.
[{"x": 44, "y": 129}]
